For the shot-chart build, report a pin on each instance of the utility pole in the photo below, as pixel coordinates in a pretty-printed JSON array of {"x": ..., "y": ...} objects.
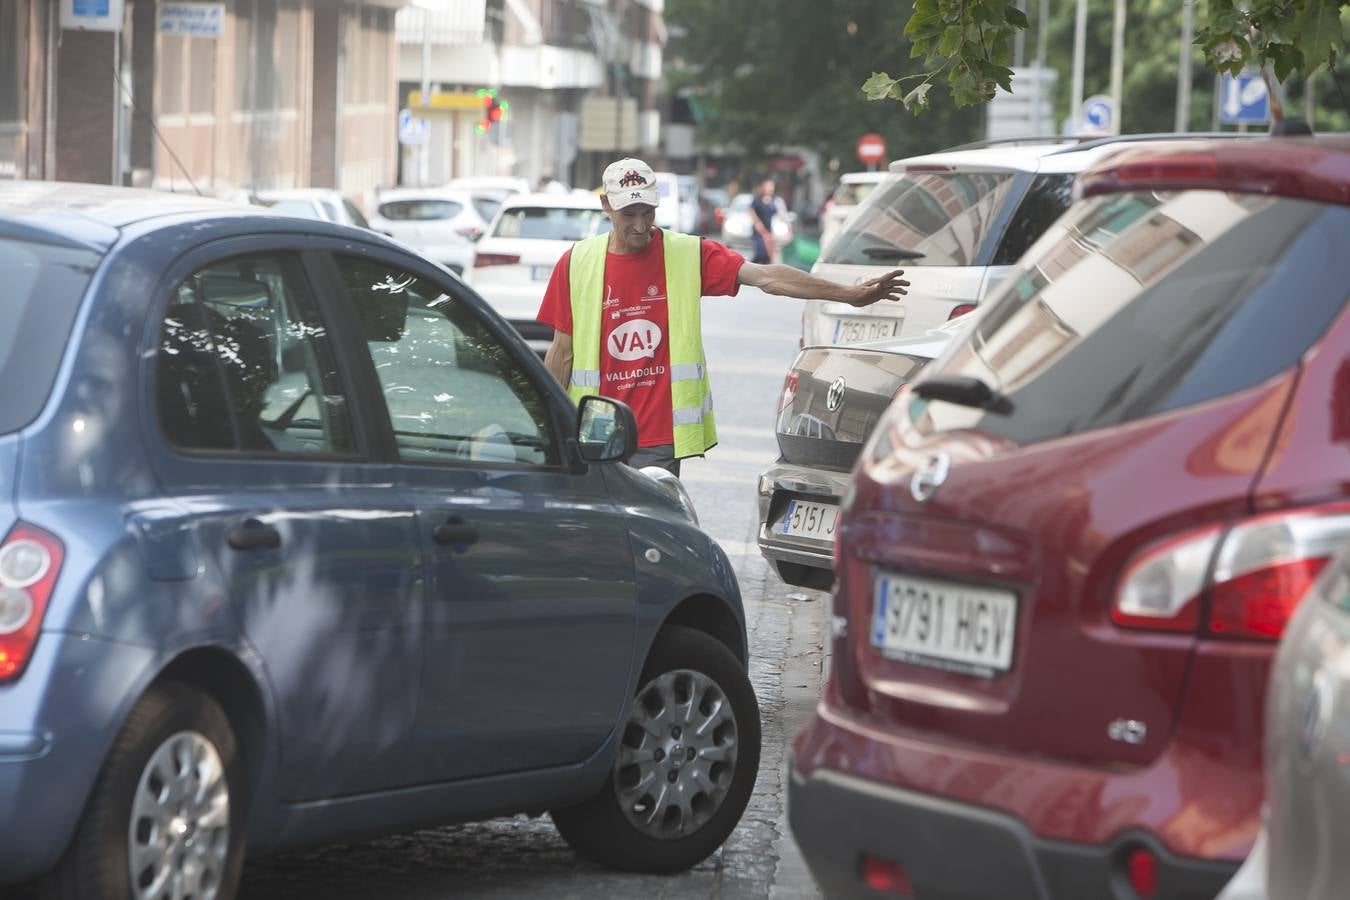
[
  {"x": 1042, "y": 23},
  {"x": 1079, "y": 48},
  {"x": 424, "y": 151},
  {"x": 1020, "y": 40},
  {"x": 1117, "y": 65},
  {"x": 1183, "y": 123}
]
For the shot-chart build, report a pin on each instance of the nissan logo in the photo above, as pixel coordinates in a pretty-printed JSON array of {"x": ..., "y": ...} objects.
[
  {"x": 929, "y": 476},
  {"x": 835, "y": 395}
]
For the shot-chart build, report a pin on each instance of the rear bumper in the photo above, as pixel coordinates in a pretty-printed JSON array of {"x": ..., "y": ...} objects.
[
  {"x": 972, "y": 825},
  {"x": 953, "y": 851},
  {"x": 782, "y": 482},
  {"x": 56, "y": 723}
]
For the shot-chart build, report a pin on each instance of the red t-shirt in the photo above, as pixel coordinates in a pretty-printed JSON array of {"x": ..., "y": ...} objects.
[{"x": 634, "y": 352}]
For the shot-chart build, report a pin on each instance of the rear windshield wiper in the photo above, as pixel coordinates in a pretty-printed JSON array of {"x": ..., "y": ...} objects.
[
  {"x": 896, "y": 253},
  {"x": 963, "y": 390}
]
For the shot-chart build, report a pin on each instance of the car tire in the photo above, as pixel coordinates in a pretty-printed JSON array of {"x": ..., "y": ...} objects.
[
  {"x": 171, "y": 724},
  {"x": 624, "y": 826}
]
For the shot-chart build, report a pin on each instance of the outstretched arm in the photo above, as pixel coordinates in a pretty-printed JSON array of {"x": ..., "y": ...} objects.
[
  {"x": 785, "y": 281},
  {"x": 558, "y": 358}
]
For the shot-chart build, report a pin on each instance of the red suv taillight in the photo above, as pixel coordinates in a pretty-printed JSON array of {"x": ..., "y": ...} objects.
[
  {"x": 495, "y": 259},
  {"x": 1244, "y": 582},
  {"x": 789, "y": 391},
  {"x": 960, "y": 309},
  {"x": 30, "y": 560}
]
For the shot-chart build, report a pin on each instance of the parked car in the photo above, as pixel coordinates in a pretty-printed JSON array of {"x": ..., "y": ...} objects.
[
  {"x": 1298, "y": 852},
  {"x": 299, "y": 542},
  {"x": 851, "y": 191},
  {"x": 325, "y": 204},
  {"x": 513, "y": 262},
  {"x": 689, "y": 210},
  {"x": 440, "y": 223},
  {"x": 489, "y": 191},
  {"x": 832, "y": 398},
  {"x": 738, "y": 231},
  {"x": 956, "y": 222},
  {"x": 669, "y": 208},
  {"x": 1069, "y": 548}
]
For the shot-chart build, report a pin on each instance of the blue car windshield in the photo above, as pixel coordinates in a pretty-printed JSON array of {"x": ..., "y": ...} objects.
[{"x": 43, "y": 287}]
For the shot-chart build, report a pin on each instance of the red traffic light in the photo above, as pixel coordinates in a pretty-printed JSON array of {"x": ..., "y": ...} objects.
[{"x": 494, "y": 113}]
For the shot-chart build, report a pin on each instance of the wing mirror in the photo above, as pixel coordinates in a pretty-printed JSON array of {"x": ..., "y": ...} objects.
[{"x": 606, "y": 430}]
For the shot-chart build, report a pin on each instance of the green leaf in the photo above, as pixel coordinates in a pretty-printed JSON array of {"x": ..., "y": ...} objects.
[
  {"x": 966, "y": 90},
  {"x": 1319, "y": 31},
  {"x": 917, "y": 99},
  {"x": 952, "y": 39},
  {"x": 1017, "y": 18},
  {"x": 1285, "y": 59},
  {"x": 879, "y": 86}
]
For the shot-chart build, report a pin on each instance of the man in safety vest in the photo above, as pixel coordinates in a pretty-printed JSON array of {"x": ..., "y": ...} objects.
[{"x": 625, "y": 309}]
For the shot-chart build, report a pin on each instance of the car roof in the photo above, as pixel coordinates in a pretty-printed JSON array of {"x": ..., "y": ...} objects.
[
  {"x": 1308, "y": 168},
  {"x": 500, "y": 182},
  {"x": 1049, "y": 155},
  {"x": 90, "y": 215},
  {"x": 861, "y": 177},
  {"x": 299, "y": 194},
  {"x": 424, "y": 193},
  {"x": 572, "y": 200}
]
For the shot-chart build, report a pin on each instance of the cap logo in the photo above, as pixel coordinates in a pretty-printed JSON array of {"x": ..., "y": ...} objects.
[{"x": 630, "y": 178}]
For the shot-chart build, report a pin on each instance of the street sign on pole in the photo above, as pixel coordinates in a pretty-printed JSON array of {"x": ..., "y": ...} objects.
[
  {"x": 411, "y": 129},
  {"x": 1099, "y": 112},
  {"x": 1244, "y": 100},
  {"x": 871, "y": 149}
]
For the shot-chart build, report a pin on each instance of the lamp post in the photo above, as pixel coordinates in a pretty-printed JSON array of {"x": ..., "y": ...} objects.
[{"x": 427, "y": 7}]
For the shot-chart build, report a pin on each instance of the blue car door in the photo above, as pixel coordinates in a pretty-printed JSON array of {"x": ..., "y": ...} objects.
[
  {"x": 531, "y": 603},
  {"x": 317, "y": 551}
]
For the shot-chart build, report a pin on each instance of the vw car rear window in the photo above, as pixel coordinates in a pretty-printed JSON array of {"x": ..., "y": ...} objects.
[
  {"x": 420, "y": 210},
  {"x": 43, "y": 287},
  {"x": 550, "y": 223},
  {"x": 923, "y": 219},
  {"x": 1148, "y": 302}
]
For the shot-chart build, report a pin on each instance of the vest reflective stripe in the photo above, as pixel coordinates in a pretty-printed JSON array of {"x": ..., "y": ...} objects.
[{"x": 690, "y": 390}]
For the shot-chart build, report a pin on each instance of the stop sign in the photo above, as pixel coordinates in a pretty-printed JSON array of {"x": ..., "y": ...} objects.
[{"x": 871, "y": 149}]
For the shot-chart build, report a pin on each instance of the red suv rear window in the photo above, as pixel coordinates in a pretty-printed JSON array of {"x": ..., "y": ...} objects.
[{"x": 1147, "y": 302}]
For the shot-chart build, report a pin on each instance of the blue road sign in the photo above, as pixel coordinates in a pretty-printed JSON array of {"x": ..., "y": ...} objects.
[
  {"x": 1244, "y": 100},
  {"x": 1098, "y": 110},
  {"x": 411, "y": 129}
]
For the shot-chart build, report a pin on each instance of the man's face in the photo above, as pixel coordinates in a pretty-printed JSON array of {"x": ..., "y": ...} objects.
[
  {"x": 766, "y": 188},
  {"x": 632, "y": 225}
]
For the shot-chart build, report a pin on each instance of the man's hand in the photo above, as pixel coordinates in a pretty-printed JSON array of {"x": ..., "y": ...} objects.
[{"x": 888, "y": 287}]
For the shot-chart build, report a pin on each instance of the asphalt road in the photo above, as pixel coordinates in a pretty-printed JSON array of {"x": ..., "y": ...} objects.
[{"x": 750, "y": 341}]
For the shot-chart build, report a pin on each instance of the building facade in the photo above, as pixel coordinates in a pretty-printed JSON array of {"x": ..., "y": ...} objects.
[
  {"x": 224, "y": 98},
  {"x": 581, "y": 77}
]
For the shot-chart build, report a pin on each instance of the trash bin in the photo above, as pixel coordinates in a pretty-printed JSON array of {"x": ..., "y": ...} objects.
[{"x": 801, "y": 253}]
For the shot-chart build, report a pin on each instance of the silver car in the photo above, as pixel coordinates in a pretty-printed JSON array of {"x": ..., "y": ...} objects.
[
  {"x": 1300, "y": 850},
  {"x": 832, "y": 398}
]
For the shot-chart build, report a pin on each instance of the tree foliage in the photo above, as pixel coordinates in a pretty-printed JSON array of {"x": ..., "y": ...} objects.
[
  {"x": 771, "y": 74},
  {"x": 970, "y": 42}
]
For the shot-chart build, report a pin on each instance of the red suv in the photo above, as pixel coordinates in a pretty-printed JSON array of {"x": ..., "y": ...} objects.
[{"x": 1068, "y": 551}]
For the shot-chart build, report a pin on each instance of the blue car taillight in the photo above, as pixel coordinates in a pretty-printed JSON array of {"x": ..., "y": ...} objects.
[{"x": 30, "y": 560}]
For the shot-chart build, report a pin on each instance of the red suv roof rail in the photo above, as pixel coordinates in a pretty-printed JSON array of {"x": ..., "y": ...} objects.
[{"x": 1301, "y": 168}]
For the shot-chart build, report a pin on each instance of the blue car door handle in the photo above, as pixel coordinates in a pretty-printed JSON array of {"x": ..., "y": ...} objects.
[
  {"x": 254, "y": 535},
  {"x": 456, "y": 533}
]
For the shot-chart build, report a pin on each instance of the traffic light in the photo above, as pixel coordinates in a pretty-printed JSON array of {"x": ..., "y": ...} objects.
[{"x": 494, "y": 110}]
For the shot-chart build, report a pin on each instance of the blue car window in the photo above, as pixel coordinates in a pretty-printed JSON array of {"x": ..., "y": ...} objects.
[
  {"x": 453, "y": 391},
  {"x": 245, "y": 363}
]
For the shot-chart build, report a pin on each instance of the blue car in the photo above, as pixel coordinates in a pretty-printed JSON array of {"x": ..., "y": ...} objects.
[{"x": 300, "y": 542}]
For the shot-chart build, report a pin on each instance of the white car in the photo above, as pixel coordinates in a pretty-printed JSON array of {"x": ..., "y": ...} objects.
[
  {"x": 515, "y": 258},
  {"x": 439, "y": 223},
  {"x": 488, "y": 191},
  {"x": 324, "y": 204},
  {"x": 956, "y": 222},
  {"x": 851, "y": 191}
]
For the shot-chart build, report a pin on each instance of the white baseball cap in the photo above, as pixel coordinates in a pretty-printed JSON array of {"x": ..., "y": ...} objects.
[{"x": 630, "y": 181}]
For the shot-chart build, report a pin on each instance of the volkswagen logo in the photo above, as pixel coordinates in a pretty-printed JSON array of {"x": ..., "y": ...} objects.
[
  {"x": 929, "y": 477},
  {"x": 835, "y": 395}
]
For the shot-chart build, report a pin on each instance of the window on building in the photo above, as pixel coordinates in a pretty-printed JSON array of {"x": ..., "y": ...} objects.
[
  {"x": 172, "y": 83},
  {"x": 13, "y": 62}
]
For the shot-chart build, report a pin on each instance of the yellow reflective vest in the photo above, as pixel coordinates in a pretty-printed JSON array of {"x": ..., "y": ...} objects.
[{"x": 691, "y": 405}]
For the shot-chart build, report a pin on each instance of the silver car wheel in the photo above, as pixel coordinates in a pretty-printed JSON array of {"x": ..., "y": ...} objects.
[
  {"x": 678, "y": 755},
  {"x": 179, "y": 834}
]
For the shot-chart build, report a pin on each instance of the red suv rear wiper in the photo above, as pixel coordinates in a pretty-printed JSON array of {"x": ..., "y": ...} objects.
[
  {"x": 896, "y": 253},
  {"x": 964, "y": 390}
]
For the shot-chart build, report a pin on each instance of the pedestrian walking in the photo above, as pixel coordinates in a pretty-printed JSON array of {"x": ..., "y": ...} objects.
[
  {"x": 762, "y": 211},
  {"x": 625, "y": 310}
]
